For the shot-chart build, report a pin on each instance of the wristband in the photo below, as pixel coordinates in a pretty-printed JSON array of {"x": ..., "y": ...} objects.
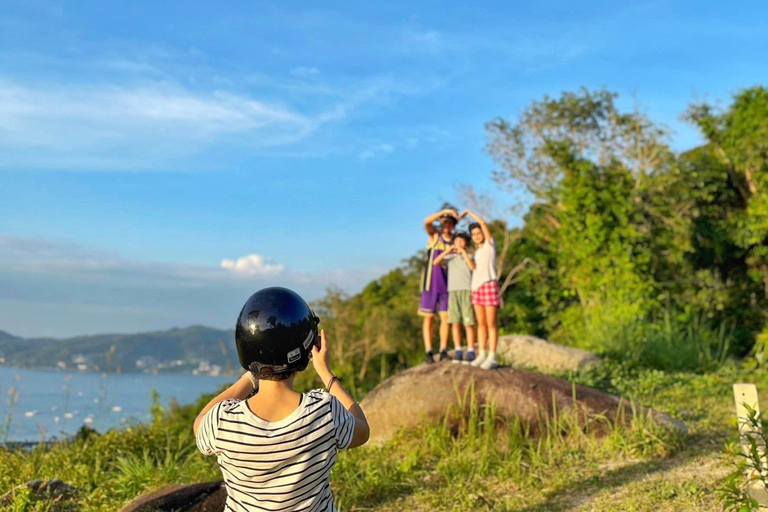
[{"x": 331, "y": 382}]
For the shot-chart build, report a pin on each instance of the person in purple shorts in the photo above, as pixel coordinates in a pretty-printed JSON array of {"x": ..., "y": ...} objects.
[{"x": 434, "y": 281}]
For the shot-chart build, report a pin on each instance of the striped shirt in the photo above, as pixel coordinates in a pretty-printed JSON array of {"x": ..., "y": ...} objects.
[{"x": 277, "y": 466}]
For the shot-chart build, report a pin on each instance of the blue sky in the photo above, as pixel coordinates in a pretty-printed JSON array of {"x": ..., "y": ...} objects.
[{"x": 160, "y": 161}]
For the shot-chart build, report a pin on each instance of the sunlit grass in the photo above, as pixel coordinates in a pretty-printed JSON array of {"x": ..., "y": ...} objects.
[{"x": 472, "y": 459}]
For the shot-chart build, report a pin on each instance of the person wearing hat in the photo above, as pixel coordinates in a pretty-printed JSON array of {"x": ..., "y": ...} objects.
[
  {"x": 434, "y": 281},
  {"x": 276, "y": 447},
  {"x": 460, "y": 265}
]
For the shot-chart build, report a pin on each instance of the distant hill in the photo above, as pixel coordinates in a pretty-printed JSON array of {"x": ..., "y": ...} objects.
[
  {"x": 192, "y": 349},
  {"x": 4, "y": 336}
]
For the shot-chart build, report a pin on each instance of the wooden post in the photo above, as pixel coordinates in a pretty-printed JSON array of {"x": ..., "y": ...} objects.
[{"x": 746, "y": 395}]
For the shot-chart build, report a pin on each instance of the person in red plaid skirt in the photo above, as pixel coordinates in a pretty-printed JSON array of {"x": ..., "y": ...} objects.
[{"x": 485, "y": 292}]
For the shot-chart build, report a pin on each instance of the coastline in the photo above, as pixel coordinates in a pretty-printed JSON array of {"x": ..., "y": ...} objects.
[{"x": 51, "y": 403}]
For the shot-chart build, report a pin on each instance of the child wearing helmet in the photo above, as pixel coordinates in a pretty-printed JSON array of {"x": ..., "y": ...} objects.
[{"x": 275, "y": 446}]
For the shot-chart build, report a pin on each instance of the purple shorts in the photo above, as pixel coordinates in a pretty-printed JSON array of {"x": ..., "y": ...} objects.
[{"x": 432, "y": 301}]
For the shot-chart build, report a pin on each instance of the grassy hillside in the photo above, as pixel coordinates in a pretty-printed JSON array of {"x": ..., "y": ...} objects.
[
  {"x": 485, "y": 463},
  {"x": 110, "y": 352}
]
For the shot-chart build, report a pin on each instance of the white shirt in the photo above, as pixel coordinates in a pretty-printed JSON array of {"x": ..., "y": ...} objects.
[
  {"x": 485, "y": 264},
  {"x": 285, "y": 465}
]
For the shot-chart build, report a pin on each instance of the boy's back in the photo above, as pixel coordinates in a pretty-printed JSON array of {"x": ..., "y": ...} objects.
[{"x": 282, "y": 465}]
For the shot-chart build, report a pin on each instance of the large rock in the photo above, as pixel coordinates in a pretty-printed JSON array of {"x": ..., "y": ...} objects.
[
  {"x": 424, "y": 393},
  {"x": 205, "y": 497},
  {"x": 530, "y": 351}
]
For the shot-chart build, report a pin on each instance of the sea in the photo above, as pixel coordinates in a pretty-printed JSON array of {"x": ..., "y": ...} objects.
[{"x": 43, "y": 405}]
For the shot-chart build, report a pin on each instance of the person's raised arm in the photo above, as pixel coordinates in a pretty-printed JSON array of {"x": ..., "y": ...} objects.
[
  {"x": 240, "y": 390},
  {"x": 439, "y": 259},
  {"x": 320, "y": 361},
  {"x": 429, "y": 228},
  {"x": 483, "y": 225}
]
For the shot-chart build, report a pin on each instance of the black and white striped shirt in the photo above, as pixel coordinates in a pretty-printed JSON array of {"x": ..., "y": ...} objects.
[{"x": 278, "y": 466}]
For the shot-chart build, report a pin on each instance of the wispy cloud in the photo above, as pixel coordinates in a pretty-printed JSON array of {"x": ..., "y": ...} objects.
[
  {"x": 156, "y": 124},
  {"x": 305, "y": 71},
  {"x": 99, "y": 121},
  {"x": 435, "y": 136},
  {"x": 377, "y": 150},
  {"x": 468, "y": 46}
]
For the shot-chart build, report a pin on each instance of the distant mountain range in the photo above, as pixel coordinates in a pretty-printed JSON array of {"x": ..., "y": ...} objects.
[{"x": 194, "y": 349}]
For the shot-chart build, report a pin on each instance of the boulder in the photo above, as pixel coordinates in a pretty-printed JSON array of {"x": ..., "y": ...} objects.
[
  {"x": 425, "y": 393},
  {"x": 41, "y": 490},
  {"x": 530, "y": 351},
  {"x": 205, "y": 497}
]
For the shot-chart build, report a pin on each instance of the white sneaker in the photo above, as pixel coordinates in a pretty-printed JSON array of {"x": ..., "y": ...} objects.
[
  {"x": 479, "y": 359},
  {"x": 489, "y": 363}
]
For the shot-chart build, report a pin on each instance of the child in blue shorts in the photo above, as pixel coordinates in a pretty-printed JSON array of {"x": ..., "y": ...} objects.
[{"x": 460, "y": 265}]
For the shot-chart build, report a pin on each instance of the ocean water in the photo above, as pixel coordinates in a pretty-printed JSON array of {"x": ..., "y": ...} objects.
[{"x": 57, "y": 403}]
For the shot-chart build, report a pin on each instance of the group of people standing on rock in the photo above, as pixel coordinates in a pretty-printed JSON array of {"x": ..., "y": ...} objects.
[{"x": 461, "y": 288}]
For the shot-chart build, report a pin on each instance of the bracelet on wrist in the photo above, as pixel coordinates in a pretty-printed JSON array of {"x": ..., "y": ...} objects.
[{"x": 331, "y": 382}]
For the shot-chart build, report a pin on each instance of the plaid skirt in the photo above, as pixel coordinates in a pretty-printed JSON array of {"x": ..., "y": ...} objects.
[{"x": 487, "y": 294}]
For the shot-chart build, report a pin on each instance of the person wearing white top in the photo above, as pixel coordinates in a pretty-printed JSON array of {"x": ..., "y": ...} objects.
[{"x": 485, "y": 292}]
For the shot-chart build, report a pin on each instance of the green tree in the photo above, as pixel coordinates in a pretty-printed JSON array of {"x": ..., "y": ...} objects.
[{"x": 739, "y": 138}]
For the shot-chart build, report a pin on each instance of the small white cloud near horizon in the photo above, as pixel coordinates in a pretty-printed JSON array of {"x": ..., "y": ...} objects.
[{"x": 254, "y": 265}]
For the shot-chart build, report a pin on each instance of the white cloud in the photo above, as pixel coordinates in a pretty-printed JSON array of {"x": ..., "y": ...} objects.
[
  {"x": 305, "y": 71},
  {"x": 378, "y": 150},
  {"x": 253, "y": 264}
]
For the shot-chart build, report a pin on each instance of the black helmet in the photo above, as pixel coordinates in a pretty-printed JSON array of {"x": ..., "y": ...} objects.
[{"x": 275, "y": 333}]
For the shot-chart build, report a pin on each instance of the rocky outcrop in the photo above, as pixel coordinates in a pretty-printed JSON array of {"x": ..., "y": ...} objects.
[
  {"x": 530, "y": 351},
  {"x": 426, "y": 392},
  {"x": 205, "y": 497}
]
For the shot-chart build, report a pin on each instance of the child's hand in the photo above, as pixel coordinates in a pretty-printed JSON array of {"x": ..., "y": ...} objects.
[{"x": 320, "y": 357}]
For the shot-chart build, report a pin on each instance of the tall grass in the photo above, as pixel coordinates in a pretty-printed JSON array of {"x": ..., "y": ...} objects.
[
  {"x": 13, "y": 397},
  {"x": 664, "y": 339},
  {"x": 151, "y": 468}
]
